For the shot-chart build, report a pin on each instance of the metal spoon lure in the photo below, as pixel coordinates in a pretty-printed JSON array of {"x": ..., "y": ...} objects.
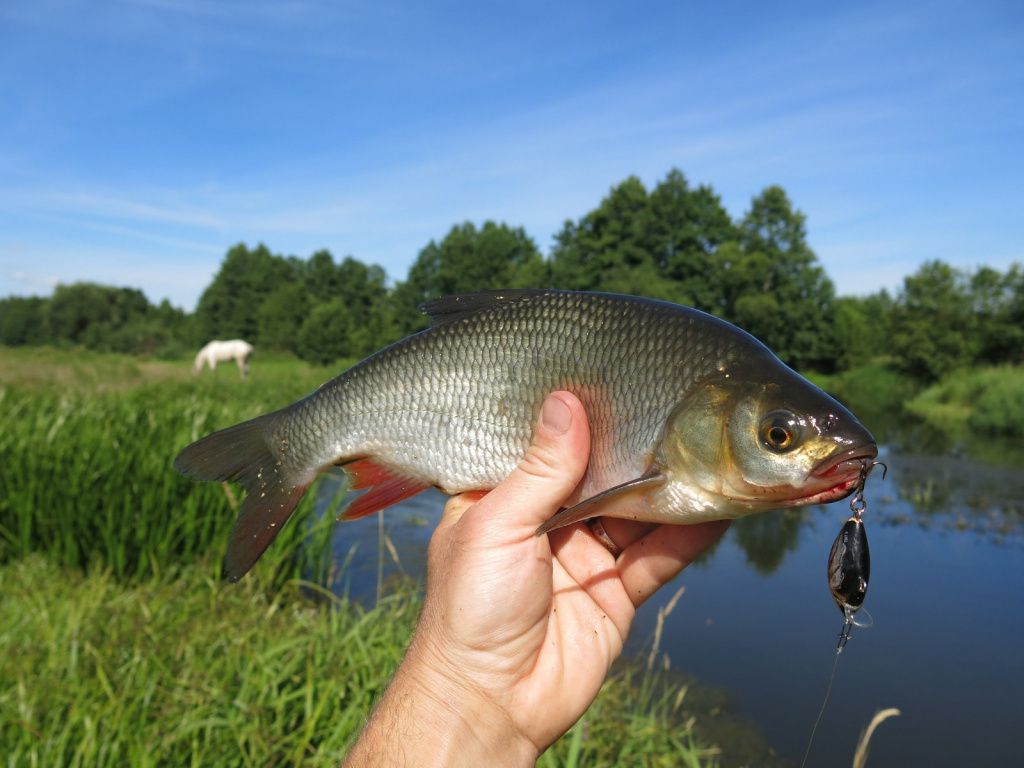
[{"x": 849, "y": 563}]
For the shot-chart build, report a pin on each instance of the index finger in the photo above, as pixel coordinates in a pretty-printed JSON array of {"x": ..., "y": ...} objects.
[{"x": 648, "y": 564}]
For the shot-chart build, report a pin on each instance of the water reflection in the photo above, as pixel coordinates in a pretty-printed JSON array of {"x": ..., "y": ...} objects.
[{"x": 766, "y": 539}]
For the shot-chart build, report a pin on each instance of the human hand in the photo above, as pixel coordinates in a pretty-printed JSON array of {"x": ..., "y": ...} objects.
[{"x": 518, "y": 632}]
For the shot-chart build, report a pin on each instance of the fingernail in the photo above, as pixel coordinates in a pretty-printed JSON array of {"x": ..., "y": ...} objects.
[{"x": 556, "y": 416}]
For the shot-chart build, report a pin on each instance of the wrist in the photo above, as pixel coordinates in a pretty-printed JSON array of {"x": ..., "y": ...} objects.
[{"x": 431, "y": 717}]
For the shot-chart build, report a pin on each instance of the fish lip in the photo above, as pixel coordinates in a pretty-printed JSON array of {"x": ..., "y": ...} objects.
[
  {"x": 841, "y": 472},
  {"x": 847, "y": 462}
]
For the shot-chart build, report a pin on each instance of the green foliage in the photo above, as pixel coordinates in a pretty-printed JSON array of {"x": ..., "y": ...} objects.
[
  {"x": 186, "y": 671},
  {"x": 191, "y": 671},
  {"x": 467, "y": 259},
  {"x": 674, "y": 242},
  {"x": 660, "y": 244},
  {"x": 229, "y": 307},
  {"x": 934, "y": 328},
  {"x": 999, "y": 407},
  {"x": 23, "y": 321},
  {"x": 679, "y": 244},
  {"x": 88, "y": 444},
  {"x": 93, "y": 316},
  {"x": 987, "y": 400},
  {"x": 281, "y": 316},
  {"x": 324, "y": 336},
  {"x": 775, "y": 288}
]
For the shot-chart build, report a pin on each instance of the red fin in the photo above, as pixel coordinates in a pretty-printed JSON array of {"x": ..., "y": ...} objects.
[{"x": 387, "y": 486}]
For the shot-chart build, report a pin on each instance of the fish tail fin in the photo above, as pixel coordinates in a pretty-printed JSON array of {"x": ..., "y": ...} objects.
[{"x": 241, "y": 453}]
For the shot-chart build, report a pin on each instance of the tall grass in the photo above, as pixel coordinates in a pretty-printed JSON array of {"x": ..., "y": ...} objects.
[
  {"x": 185, "y": 671},
  {"x": 987, "y": 400},
  {"x": 191, "y": 671},
  {"x": 86, "y": 475}
]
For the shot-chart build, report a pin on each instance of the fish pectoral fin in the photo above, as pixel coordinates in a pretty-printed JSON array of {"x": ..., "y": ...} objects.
[
  {"x": 607, "y": 502},
  {"x": 385, "y": 486}
]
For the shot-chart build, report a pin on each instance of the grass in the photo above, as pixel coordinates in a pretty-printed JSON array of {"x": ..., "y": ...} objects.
[
  {"x": 87, "y": 478},
  {"x": 186, "y": 671},
  {"x": 190, "y": 671}
]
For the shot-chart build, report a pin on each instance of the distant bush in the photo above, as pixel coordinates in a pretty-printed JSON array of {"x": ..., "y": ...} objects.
[
  {"x": 999, "y": 407},
  {"x": 987, "y": 400}
]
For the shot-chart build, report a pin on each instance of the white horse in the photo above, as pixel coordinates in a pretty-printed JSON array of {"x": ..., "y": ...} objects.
[{"x": 222, "y": 351}]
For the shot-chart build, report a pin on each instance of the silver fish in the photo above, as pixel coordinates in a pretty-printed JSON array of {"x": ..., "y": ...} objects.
[{"x": 691, "y": 418}]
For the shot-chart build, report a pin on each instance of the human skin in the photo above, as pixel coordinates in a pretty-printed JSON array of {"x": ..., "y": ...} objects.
[{"x": 518, "y": 632}]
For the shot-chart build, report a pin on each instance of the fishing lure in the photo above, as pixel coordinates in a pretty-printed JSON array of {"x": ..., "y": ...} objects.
[{"x": 849, "y": 562}]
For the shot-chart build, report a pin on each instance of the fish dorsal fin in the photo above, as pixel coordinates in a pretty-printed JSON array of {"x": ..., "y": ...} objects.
[
  {"x": 449, "y": 309},
  {"x": 615, "y": 502}
]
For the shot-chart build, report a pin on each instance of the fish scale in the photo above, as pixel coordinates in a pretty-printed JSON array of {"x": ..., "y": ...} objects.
[{"x": 455, "y": 406}]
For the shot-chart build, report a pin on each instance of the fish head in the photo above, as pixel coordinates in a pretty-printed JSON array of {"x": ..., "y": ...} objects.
[{"x": 747, "y": 445}]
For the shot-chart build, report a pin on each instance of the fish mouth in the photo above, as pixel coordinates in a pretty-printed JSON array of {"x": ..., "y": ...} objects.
[
  {"x": 847, "y": 462},
  {"x": 840, "y": 474}
]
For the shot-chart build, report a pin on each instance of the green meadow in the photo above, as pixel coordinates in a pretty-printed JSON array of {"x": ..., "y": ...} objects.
[{"x": 120, "y": 644}]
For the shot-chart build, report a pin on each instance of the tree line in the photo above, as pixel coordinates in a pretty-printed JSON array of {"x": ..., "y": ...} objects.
[{"x": 674, "y": 242}]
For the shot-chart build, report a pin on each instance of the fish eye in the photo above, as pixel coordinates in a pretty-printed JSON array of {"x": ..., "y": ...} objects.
[{"x": 780, "y": 431}]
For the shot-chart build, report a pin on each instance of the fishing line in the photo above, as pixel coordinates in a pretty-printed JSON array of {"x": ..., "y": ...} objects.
[{"x": 824, "y": 704}]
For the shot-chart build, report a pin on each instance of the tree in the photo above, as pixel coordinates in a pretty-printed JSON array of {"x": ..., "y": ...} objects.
[
  {"x": 685, "y": 229},
  {"x": 281, "y": 316},
  {"x": 934, "y": 327},
  {"x": 862, "y": 328},
  {"x": 606, "y": 244},
  {"x": 774, "y": 287},
  {"x": 997, "y": 301},
  {"x": 467, "y": 259},
  {"x": 230, "y": 305},
  {"x": 324, "y": 336},
  {"x": 23, "y": 320}
]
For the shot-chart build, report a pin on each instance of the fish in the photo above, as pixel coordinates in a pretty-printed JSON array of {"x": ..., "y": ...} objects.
[{"x": 691, "y": 418}]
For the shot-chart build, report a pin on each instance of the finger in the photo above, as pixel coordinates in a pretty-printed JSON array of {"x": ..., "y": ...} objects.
[
  {"x": 551, "y": 469},
  {"x": 457, "y": 505},
  {"x": 658, "y": 557},
  {"x": 624, "y": 532}
]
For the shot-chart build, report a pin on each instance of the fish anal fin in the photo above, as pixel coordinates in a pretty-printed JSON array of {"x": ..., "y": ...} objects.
[
  {"x": 385, "y": 486},
  {"x": 614, "y": 502}
]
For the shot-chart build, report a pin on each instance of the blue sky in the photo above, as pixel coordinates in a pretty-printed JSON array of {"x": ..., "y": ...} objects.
[{"x": 140, "y": 139}]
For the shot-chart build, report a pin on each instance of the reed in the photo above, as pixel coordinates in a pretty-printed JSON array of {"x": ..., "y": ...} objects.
[
  {"x": 186, "y": 671},
  {"x": 86, "y": 476}
]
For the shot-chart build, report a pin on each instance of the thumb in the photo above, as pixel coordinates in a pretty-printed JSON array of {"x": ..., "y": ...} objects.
[{"x": 548, "y": 473}]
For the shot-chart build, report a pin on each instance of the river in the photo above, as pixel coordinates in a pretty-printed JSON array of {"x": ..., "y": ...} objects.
[{"x": 756, "y": 618}]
